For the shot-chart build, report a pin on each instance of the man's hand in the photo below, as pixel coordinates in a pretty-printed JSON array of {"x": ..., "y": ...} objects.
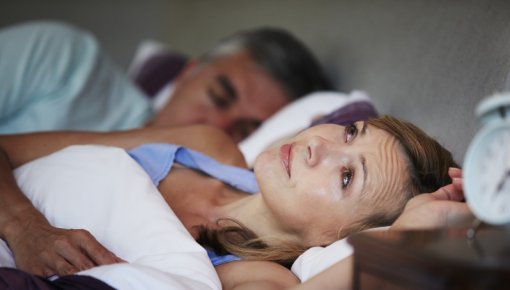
[
  {"x": 38, "y": 247},
  {"x": 43, "y": 250},
  {"x": 441, "y": 208}
]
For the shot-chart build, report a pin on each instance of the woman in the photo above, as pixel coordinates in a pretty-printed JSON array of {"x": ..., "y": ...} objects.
[{"x": 356, "y": 177}]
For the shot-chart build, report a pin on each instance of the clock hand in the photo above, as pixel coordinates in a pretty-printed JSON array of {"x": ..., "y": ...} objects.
[
  {"x": 506, "y": 175},
  {"x": 504, "y": 179}
]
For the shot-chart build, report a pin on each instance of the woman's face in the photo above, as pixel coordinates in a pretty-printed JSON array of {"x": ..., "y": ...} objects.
[{"x": 330, "y": 176}]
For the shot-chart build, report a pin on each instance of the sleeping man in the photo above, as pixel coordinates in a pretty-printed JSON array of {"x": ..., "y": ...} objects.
[
  {"x": 252, "y": 224},
  {"x": 57, "y": 77}
]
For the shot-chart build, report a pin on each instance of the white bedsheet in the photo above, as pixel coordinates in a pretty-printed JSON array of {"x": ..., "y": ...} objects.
[{"x": 103, "y": 190}]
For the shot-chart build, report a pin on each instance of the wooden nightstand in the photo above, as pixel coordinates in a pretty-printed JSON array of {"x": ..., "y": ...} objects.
[{"x": 432, "y": 259}]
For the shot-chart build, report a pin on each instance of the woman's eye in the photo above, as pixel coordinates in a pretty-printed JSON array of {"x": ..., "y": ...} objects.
[
  {"x": 347, "y": 176},
  {"x": 350, "y": 132}
]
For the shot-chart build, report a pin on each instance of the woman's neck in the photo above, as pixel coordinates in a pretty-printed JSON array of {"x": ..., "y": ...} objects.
[
  {"x": 252, "y": 212},
  {"x": 202, "y": 201}
]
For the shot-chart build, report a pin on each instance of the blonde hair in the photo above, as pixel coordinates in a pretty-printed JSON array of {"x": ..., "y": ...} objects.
[
  {"x": 428, "y": 164},
  {"x": 232, "y": 237}
]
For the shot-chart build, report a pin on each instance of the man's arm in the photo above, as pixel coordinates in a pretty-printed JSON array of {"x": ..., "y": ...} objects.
[
  {"x": 38, "y": 247},
  {"x": 42, "y": 249},
  {"x": 23, "y": 148}
]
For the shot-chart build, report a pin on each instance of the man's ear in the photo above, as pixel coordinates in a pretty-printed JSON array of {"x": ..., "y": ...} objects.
[{"x": 188, "y": 69}]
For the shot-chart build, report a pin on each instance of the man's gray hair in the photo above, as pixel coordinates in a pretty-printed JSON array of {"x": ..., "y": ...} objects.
[{"x": 284, "y": 57}]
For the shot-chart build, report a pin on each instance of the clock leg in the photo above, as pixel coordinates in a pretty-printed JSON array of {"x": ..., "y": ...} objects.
[{"x": 471, "y": 232}]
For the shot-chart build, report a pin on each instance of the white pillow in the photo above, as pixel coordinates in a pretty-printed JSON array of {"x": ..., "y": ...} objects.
[
  {"x": 105, "y": 191},
  {"x": 295, "y": 117},
  {"x": 317, "y": 259}
]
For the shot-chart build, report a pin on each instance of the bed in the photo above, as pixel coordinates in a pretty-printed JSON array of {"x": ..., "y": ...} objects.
[
  {"x": 428, "y": 62},
  {"x": 103, "y": 190}
]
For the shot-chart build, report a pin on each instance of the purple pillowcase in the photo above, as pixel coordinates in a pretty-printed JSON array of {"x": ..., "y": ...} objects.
[
  {"x": 355, "y": 111},
  {"x": 159, "y": 70}
]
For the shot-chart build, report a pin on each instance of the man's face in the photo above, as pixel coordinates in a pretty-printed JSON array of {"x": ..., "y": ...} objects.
[{"x": 231, "y": 93}]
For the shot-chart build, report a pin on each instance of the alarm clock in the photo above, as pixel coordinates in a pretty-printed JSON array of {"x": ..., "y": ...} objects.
[{"x": 486, "y": 172}]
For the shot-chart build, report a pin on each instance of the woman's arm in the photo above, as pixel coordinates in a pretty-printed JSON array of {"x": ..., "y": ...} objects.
[
  {"x": 247, "y": 275},
  {"x": 440, "y": 209},
  {"x": 42, "y": 249}
]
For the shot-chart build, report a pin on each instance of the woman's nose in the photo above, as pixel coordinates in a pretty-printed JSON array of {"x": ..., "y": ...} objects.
[{"x": 317, "y": 149}]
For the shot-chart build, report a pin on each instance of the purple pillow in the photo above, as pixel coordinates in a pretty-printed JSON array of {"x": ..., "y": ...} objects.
[
  {"x": 159, "y": 70},
  {"x": 348, "y": 114}
]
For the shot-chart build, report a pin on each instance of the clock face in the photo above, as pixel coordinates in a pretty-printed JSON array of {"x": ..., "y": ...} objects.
[{"x": 487, "y": 174}]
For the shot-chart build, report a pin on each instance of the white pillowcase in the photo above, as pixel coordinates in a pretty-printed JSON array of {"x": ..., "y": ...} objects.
[
  {"x": 317, "y": 259},
  {"x": 102, "y": 189}
]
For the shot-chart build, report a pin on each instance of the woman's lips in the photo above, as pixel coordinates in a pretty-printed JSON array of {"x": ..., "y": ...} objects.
[{"x": 285, "y": 156}]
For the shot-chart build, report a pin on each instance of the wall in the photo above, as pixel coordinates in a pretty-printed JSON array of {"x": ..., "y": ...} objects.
[
  {"x": 427, "y": 61},
  {"x": 119, "y": 24}
]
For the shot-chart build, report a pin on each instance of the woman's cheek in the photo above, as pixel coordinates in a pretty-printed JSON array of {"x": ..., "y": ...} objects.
[{"x": 324, "y": 189}]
